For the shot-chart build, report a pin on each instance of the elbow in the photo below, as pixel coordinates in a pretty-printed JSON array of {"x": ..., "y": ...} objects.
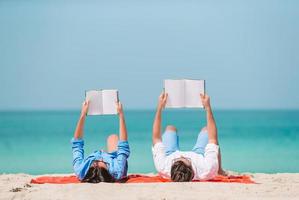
[
  {"x": 156, "y": 135},
  {"x": 156, "y": 140}
]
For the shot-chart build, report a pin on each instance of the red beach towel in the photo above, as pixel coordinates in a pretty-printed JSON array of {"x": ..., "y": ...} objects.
[{"x": 136, "y": 178}]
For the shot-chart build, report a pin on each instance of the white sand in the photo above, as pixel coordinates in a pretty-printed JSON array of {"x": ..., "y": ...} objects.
[{"x": 271, "y": 186}]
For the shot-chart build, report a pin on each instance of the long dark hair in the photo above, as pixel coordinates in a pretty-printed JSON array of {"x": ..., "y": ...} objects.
[{"x": 98, "y": 174}]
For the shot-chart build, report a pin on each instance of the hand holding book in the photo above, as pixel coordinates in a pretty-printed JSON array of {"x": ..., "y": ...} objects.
[
  {"x": 84, "y": 108},
  {"x": 119, "y": 108},
  {"x": 162, "y": 100},
  {"x": 205, "y": 99}
]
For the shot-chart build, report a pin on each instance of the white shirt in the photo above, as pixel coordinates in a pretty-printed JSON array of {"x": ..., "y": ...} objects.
[{"x": 204, "y": 167}]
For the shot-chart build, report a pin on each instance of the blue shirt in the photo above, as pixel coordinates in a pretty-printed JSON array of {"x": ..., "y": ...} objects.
[{"x": 117, "y": 161}]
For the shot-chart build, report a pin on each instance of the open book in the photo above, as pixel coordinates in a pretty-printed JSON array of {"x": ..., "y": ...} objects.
[
  {"x": 102, "y": 102},
  {"x": 184, "y": 93}
]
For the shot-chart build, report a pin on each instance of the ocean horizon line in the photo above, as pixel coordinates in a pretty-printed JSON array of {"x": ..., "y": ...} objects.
[{"x": 153, "y": 109}]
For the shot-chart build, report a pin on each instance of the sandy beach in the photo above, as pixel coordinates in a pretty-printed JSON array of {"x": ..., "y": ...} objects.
[{"x": 270, "y": 186}]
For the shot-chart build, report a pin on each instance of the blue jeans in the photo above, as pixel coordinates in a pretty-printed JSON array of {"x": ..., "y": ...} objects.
[{"x": 170, "y": 140}]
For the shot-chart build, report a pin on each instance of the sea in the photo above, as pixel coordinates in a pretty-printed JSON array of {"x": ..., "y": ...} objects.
[{"x": 38, "y": 142}]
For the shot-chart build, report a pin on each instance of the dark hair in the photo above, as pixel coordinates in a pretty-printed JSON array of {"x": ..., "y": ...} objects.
[
  {"x": 98, "y": 174},
  {"x": 180, "y": 172}
]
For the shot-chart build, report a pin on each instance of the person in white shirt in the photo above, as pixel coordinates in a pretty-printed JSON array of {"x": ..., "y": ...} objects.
[{"x": 202, "y": 163}]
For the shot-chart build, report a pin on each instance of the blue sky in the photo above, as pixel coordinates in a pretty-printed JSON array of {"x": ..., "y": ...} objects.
[{"x": 52, "y": 51}]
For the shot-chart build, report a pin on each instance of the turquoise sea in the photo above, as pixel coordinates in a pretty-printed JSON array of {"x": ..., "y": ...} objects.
[{"x": 38, "y": 142}]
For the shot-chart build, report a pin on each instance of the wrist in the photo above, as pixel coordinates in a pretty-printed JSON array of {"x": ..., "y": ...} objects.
[
  {"x": 159, "y": 108},
  {"x": 82, "y": 116},
  {"x": 208, "y": 108}
]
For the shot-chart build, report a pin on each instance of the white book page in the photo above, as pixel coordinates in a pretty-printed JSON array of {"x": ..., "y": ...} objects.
[
  {"x": 95, "y": 102},
  {"x": 109, "y": 102},
  {"x": 193, "y": 89},
  {"x": 175, "y": 91}
]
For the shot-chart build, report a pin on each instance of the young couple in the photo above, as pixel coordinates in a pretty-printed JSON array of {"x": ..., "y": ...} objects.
[{"x": 202, "y": 163}]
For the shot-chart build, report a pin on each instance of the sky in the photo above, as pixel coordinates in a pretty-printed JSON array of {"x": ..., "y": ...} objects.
[{"x": 52, "y": 51}]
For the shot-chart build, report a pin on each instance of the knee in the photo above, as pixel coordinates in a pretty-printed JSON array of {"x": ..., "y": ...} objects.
[
  {"x": 112, "y": 138},
  {"x": 204, "y": 129},
  {"x": 171, "y": 128}
]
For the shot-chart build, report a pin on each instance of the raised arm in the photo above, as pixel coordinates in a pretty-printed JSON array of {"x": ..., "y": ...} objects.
[
  {"x": 123, "y": 135},
  {"x": 211, "y": 124},
  {"x": 158, "y": 118},
  {"x": 80, "y": 125},
  {"x": 77, "y": 142},
  {"x": 123, "y": 150}
]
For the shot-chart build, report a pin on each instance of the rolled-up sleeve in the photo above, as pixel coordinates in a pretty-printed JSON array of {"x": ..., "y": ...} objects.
[
  {"x": 78, "y": 154},
  {"x": 123, "y": 153},
  {"x": 123, "y": 149},
  {"x": 159, "y": 156},
  {"x": 211, "y": 161}
]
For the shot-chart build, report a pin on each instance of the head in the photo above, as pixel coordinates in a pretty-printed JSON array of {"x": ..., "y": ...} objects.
[
  {"x": 181, "y": 170},
  {"x": 98, "y": 173}
]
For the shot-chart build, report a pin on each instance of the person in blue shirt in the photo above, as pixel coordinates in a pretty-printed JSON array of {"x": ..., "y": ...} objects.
[{"x": 101, "y": 166}]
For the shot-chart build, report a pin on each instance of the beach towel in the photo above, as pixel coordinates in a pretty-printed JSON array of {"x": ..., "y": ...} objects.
[{"x": 137, "y": 178}]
